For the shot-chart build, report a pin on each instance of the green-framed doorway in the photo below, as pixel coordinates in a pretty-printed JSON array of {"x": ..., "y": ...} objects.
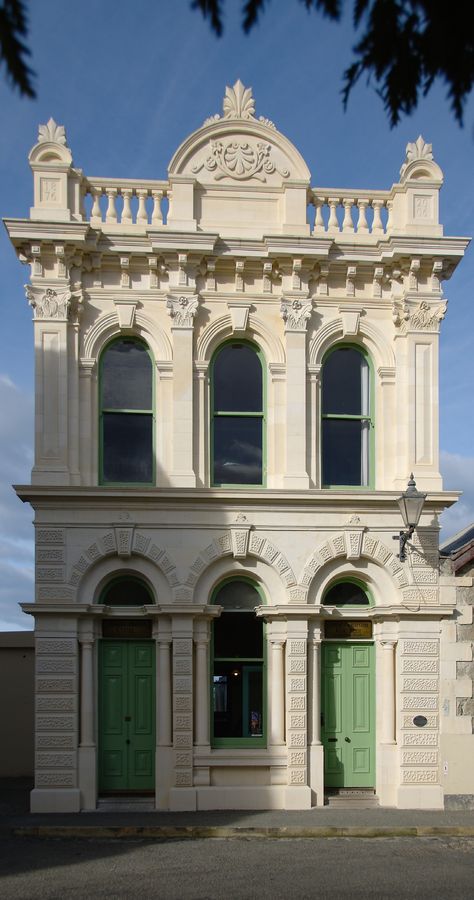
[
  {"x": 348, "y": 714},
  {"x": 126, "y": 716}
]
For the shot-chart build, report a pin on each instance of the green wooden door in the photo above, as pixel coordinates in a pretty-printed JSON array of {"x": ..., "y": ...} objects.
[
  {"x": 126, "y": 716},
  {"x": 348, "y": 714}
]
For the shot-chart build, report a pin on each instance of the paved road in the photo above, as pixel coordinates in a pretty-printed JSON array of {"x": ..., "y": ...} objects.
[{"x": 326, "y": 869}]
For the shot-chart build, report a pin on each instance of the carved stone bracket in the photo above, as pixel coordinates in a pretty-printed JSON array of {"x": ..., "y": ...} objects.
[
  {"x": 182, "y": 310},
  {"x": 295, "y": 314}
]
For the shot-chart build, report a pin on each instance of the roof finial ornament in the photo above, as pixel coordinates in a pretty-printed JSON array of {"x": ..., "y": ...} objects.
[
  {"x": 417, "y": 150},
  {"x": 52, "y": 133},
  {"x": 238, "y": 102}
]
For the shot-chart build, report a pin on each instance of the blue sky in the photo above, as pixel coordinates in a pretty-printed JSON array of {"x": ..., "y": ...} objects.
[{"x": 130, "y": 81}]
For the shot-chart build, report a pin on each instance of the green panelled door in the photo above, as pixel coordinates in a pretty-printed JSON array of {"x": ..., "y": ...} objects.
[
  {"x": 127, "y": 716},
  {"x": 348, "y": 715}
]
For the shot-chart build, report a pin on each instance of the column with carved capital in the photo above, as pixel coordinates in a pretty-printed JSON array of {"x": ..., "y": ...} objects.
[
  {"x": 51, "y": 311},
  {"x": 295, "y": 314},
  {"x": 388, "y": 692},
  {"x": 201, "y": 712},
  {"x": 87, "y": 763},
  {"x": 277, "y": 693},
  {"x": 183, "y": 311}
]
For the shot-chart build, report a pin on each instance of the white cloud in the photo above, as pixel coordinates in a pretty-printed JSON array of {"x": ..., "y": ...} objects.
[
  {"x": 458, "y": 475},
  {"x": 16, "y": 531}
]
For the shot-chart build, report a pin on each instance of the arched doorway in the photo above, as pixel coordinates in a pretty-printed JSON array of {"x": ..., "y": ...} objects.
[
  {"x": 126, "y": 692},
  {"x": 348, "y": 689}
]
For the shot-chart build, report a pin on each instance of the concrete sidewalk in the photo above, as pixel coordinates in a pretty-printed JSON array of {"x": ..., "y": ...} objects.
[{"x": 319, "y": 822}]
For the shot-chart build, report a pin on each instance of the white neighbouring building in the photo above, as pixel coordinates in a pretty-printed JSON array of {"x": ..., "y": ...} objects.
[{"x": 236, "y": 373}]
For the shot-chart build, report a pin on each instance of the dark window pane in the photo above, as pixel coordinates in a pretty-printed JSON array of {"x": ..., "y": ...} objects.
[
  {"x": 238, "y": 595},
  {"x": 345, "y": 452},
  {"x": 237, "y": 450},
  {"x": 127, "y": 447},
  {"x": 126, "y": 376},
  {"x": 237, "y": 380},
  {"x": 126, "y": 592},
  {"x": 345, "y": 383},
  {"x": 238, "y": 635},
  {"x": 238, "y": 700},
  {"x": 346, "y": 593}
]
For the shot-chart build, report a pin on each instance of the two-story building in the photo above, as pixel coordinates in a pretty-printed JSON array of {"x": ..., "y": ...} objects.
[{"x": 236, "y": 373}]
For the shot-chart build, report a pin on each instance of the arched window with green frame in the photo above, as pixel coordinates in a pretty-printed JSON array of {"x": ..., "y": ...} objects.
[
  {"x": 347, "y": 592},
  {"x": 126, "y": 413},
  {"x": 238, "y": 419},
  {"x": 126, "y": 590},
  {"x": 347, "y": 420},
  {"x": 238, "y": 669}
]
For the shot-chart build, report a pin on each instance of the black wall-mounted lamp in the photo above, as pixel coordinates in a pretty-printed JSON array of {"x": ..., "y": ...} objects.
[{"x": 410, "y": 505}]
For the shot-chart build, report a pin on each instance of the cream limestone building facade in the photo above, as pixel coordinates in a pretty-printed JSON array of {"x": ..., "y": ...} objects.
[{"x": 236, "y": 373}]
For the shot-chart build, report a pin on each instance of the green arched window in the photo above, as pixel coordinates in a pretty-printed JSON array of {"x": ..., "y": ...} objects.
[
  {"x": 126, "y": 590},
  {"x": 126, "y": 413},
  {"x": 238, "y": 667},
  {"x": 348, "y": 592},
  {"x": 237, "y": 427},
  {"x": 347, "y": 419}
]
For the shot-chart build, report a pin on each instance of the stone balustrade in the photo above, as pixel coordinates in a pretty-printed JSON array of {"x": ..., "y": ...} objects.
[
  {"x": 358, "y": 212},
  {"x": 125, "y": 201}
]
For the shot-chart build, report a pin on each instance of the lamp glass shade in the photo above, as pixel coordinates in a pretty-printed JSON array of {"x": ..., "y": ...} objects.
[{"x": 411, "y": 504}]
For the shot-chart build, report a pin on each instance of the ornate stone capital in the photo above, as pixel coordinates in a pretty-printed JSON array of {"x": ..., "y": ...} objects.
[
  {"x": 295, "y": 314},
  {"x": 182, "y": 310},
  {"x": 424, "y": 317},
  {"x": 48, "y": 304}
]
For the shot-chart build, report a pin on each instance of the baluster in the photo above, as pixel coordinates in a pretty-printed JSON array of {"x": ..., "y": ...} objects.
[
  {"x": 389, "y": 205},
  {"x": 377, "y": 227},
  {"x": 126, "y": 212},
  {"x": 156, "y": 216},
  {"x": 347, "y": 224},
  {"x": 333, "y": 224},
  {"x": 142, "y": 216},
  {"x": 362, "y": 225},
  {"x": 318, "y": 219},
  {"x": 96, "y": 212},
  {"x": 111, "y": 214},
  {"x": 82, "y": 196}
]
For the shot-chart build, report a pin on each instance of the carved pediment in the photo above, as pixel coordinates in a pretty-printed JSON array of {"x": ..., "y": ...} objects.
[{"x": 238, "y": 147}]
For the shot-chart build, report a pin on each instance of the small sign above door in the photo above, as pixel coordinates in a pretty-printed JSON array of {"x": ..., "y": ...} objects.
[
  {"x": 348, "y": 629},
  {"x": 123, "y": 629}
]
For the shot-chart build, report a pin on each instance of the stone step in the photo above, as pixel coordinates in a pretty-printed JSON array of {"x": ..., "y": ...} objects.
[{"x": 125, "y": 804}]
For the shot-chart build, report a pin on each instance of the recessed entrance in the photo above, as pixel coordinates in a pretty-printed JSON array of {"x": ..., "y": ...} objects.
[
  {"x": 126, "y": 716},
  {"x": 348, "y": 714}
]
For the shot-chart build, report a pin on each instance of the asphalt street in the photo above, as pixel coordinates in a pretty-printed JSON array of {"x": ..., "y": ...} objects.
[{"x": 326, "y": 869}]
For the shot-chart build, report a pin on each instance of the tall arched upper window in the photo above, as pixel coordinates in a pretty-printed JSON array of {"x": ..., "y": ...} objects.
[
  {"x": 238, "y": 666},
  {"x": 126, "y": 413},
  {"x": 237, "y": 415},
  {"x": 347, "y": 419}
]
